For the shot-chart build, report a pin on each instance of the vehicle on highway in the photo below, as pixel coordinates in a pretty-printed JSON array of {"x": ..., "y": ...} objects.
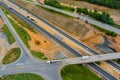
[
  {"x": 53, "y": 61},
  {"x": 84, "y": 57}
]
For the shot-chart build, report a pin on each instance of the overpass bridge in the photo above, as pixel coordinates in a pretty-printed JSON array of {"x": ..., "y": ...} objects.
[{"x": 93, "y": 58}]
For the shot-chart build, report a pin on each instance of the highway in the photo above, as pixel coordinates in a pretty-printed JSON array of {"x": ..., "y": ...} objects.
[
  {"x": 27, "y": 60},
  {"x": 69, "y": 37},
  {"x": 18, "y": 39},
  {"x": 86, "y": 18},
  {"x": 105, "y": 74}
]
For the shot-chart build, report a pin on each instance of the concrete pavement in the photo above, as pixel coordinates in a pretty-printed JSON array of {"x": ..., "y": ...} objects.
[{"x": 94, "y": 58}]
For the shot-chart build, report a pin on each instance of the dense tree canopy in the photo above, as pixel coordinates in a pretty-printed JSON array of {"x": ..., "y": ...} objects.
[
  {"x": 53, "y": 3},
  {"x": 109, "y": 3},
  {"x": 104, "y": 17}
]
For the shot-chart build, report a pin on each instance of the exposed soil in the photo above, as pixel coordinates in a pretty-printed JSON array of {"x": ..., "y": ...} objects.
[
  {"x": 45, "y": 46},
  {"x": 66, "y": 23},
  {"x": 1, "y": 22},
  {"x": 109, "y": 70},
  {"x": 115, "y": 43},
  {"x": 74, "y": 27}
]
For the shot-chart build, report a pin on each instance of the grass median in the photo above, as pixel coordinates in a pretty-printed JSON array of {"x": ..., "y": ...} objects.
[
  {"x": 22, "y": 76},
  {"x": 19, "y": 27},
  {"x": 11, "y": 56},
  {"x": 22, "y": 23},
  {"x": 21, "y": 32},
  {"x": 7, "y": 32},
  {"x": 38, "y": 55},
  {"x": 118, "y": 61},
  {"x": 78, "y": 72}
]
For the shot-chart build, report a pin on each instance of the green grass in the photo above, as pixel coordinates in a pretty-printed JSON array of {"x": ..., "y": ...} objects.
[
  {"x": 78, "y": 72},
  {"x": 11, "y": 56},
  {"x": 68, "y": 9},
  {"x": 22, "y": 23},
  {"x": 7, "y": 32},
  {"x": 56, "y": 4},
  {"x": 38, "y": 55},
  {"x": 116, "y": 26},
  {"x": 118, "y": 61},
  {"x": 5, "y": 11},
  {"x": 21, "y": 32},
  {"x": 22, "y": 76},
  {"x": 20, "y": 29},
  {"x": 57, "y": 12}
]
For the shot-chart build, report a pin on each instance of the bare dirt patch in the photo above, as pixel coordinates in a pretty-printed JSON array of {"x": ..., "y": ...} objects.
[
  {"x": 77, "y": 28},
  {"x": 42, "y": 44},
  {"x": 115, "y": 43},
  {"x": 1, "y": 23},
  {"x": 66, "y": 23},
  {"x": 46, "y": 46},
  {"x": 109, "y": 70}
]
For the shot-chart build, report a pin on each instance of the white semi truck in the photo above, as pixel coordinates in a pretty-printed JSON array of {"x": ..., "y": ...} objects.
[
  {"x": 84, "y": 57},
  {"x": 53, "y": 61}
]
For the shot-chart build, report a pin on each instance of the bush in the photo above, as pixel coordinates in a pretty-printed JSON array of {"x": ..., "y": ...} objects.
[
  {"x": 53, "y": 3},
  {"x": 37, "y": 42},
  {"x": 104, "y": 17},
  {"x": 109, "y": 3}
]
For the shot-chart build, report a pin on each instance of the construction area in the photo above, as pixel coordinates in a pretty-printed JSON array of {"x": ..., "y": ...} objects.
[{"x": 78, "y": 29}]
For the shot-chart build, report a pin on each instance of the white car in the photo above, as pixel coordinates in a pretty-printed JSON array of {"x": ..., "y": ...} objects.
[{"x": 48, "y": 62}]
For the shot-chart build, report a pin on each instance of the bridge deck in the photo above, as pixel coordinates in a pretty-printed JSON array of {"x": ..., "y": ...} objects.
[{"x": 94, "y": 58}]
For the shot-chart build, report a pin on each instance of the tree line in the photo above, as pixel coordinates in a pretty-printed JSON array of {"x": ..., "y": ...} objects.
[
  {"x": 103, "y": 17},
  {"x": 55, "y": 3},
  {"x": 108, "y": 3}
]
